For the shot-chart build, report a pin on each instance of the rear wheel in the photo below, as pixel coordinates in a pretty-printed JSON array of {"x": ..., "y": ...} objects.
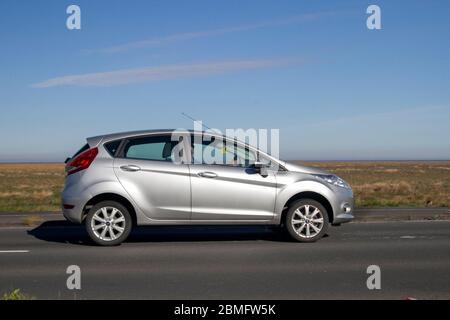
[
  {"x": 108, "y": 223},
  {"x": 306, "y": 220}
]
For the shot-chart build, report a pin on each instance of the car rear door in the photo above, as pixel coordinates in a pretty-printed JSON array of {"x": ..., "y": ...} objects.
[{"x": 159, "y": 186}]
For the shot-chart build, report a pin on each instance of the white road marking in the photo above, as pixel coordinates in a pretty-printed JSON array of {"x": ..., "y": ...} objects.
[
  {"x": 14, "y": 251},
  {"x": 407, "y": 237},
  {"x": 398, "y": 221}
]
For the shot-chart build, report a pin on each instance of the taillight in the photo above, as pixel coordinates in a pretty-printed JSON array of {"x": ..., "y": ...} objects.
[{"x": 82, "y": 161}]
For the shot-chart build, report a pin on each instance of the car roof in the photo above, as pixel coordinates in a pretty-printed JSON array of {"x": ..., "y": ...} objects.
[
  {"x": 120, "y": 135},
  {"x": 93, "y": 141}
]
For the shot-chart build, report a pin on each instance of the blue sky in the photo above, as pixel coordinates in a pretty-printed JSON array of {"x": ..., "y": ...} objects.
[{"x": 335, "y": 89}]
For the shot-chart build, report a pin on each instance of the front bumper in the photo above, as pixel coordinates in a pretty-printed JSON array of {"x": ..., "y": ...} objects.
[{"x": 343, "y": 205}]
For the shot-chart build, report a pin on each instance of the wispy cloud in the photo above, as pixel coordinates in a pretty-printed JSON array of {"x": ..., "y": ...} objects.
[
  {"x": 126, "y": 76},
  {"x": 174, "y": 38}
]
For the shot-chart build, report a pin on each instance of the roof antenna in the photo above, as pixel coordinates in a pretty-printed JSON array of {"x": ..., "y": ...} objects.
[
  {"x": 204, "y": 125},
  {"x": 189, "y": 117}
]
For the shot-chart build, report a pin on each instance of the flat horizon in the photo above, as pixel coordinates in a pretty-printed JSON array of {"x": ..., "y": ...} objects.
[{"x": 289, "y": 160}]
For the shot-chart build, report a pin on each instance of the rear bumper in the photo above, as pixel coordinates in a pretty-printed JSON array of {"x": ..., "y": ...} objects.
[{"x": 74, "y": 214}]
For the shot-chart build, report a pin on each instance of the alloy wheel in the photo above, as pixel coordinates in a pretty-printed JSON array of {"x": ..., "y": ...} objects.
[
  {"x": 307, "y": 221},
  {"x": 108, "y": 223}
]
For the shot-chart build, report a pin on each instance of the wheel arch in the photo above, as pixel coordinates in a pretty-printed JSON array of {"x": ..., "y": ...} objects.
[
  {"x": 308, "y": 195},
  {"x": 109, "y": 196}
]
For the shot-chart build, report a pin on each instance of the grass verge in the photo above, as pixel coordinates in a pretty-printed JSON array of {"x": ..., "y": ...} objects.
[
  {"x": 37, "y": 187},
  {"x": 16, "y": 294}
]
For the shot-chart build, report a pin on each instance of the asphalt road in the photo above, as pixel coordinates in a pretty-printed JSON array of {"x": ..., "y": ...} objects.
[{"x": 230, "y": 263}]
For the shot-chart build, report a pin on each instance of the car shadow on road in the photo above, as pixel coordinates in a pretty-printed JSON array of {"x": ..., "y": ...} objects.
[{"x": 65, "y": 232}]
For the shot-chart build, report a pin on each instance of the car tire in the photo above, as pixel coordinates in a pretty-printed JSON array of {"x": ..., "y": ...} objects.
[
  {"x": 108, "y": 223},
  {"x": 306, "y": 220}
]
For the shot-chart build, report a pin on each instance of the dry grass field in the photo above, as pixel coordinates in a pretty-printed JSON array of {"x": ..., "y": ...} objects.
[
  {"x": 36, "y": 187},
  {"x": 395, "y": 183},
  {"x": 30, "y": 187}
]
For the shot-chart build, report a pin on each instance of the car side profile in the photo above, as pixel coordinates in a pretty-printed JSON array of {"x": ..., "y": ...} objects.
[{"x": 122, "y": 180}]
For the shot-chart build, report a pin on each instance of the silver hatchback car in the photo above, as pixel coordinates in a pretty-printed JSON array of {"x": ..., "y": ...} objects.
[{"x": 118, "y": 181}]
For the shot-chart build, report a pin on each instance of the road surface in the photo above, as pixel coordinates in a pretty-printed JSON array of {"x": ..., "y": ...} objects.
[{"x": 230, "y": 263}]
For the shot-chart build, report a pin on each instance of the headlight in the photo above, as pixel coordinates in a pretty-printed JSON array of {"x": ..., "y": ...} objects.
[{"x": 332, "y": 179}]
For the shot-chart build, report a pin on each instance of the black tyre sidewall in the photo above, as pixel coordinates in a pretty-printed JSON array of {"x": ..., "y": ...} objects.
[
  {"x": 290, "y": 230},
  {"x": 121, "y": 208}
]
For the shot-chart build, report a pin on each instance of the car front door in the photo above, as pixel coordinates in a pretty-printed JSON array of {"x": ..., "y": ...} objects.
[
  {"x": 229, "y": 189},
  {"x": 160, "y": 187}
]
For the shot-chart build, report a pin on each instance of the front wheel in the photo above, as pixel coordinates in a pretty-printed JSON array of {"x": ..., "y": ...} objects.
[
  {"x": 306, "y": 220},
  {"x": 108, "y": 223}
]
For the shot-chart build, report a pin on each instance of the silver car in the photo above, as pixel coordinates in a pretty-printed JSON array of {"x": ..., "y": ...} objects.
[{"x": 118, "y": 181}]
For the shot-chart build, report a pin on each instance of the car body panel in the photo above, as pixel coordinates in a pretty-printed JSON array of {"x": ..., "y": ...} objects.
[
  {"x": 168, "y": 193},
  {"x": 161, "y": 189},
  {"x": 82, "y": 186},
  {"x": 291, "y": 184},
  {"x": 234, "y": 194}
]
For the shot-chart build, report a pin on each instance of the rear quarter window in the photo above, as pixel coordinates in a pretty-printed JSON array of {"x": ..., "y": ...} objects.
[{"x": 112, "y": 147}]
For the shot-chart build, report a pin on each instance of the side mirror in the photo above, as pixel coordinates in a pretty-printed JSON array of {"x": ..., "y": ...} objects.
[
  {"x": 260, "y": 165},
  {"x": 261, "y": 168}
]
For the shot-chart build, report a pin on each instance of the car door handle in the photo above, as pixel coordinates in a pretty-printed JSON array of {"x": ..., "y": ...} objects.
[
  {"x": 130, "y": 167},
  {"x": 207, "y": 174}
]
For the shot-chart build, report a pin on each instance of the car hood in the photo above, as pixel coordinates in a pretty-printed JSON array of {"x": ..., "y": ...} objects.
[{"x": 303, "y": 169}]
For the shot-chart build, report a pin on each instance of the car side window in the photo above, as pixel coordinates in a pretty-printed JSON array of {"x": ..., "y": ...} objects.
[
  {"x": 221, "y": 152},
  {"x": 158, "y": 148}
]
